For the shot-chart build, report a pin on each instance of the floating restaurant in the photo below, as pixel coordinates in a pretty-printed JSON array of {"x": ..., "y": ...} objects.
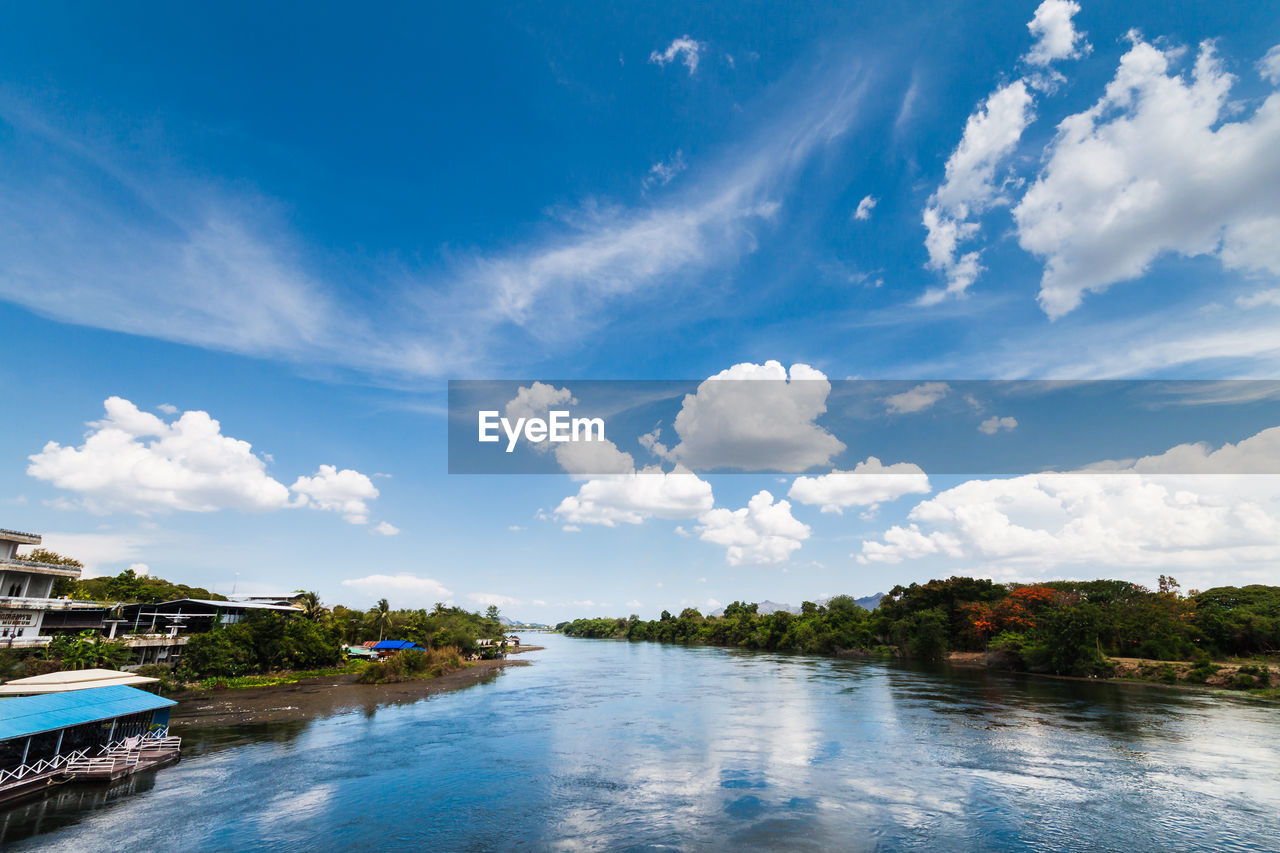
[{"x": 92, "y": 734}]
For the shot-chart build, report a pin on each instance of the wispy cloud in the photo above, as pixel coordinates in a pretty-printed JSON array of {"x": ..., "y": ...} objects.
[{"x": 89, "y": 241}]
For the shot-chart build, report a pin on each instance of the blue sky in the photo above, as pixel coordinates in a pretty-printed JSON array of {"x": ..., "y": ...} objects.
[{"x": 303, "y": 221}]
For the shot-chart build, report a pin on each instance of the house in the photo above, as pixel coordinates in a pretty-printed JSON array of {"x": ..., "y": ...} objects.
[
  {"x": 386, "y": 648},
  {"x": 102, "y": 733},
  {"x": 29, "y": 614},
  {"x": 157, "y": 632}
]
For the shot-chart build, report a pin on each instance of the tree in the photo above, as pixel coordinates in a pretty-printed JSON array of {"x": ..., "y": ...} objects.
[
  {"x": 61, "y": 586},
  {"x": 381, "y": 617},
  {"x": 312, "y": 609}
]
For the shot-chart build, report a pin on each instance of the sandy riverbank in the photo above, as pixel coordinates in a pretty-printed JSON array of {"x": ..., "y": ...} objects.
[{"x": 323, "y": 696}]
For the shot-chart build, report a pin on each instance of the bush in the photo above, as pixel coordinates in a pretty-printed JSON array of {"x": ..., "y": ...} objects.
[
  {"x": 1243, "y": 681},
  {"x": 410, "y": 664}
]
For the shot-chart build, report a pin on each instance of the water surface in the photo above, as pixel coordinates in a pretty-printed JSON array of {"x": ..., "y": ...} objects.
[{"x": 615, "y": 745}]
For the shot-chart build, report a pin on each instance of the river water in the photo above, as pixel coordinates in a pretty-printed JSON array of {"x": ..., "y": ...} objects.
[{"x": 614, "y": 745}]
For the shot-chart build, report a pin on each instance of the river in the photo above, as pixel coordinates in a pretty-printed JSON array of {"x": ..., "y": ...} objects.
[{"x": 614, "y": 745}]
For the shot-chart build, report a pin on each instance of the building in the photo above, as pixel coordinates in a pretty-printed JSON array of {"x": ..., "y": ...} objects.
[
  {"x": 29, "y": 614},
  {"x": 157, "y": 632},
  {"x": 101, "y": 734}
]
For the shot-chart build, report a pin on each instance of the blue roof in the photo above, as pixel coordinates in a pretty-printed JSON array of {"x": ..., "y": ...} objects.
[
  {"x": 397, "y": 644},
  {"x": 30, "y": 715}
]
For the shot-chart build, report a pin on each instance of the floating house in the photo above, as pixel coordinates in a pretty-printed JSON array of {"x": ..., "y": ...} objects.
[
  {"x": 29, "y": 614},
  {"x": 100, "y": 733}
]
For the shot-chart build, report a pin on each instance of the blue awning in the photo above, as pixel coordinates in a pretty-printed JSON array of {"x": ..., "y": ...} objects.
[
  {"x": 30, "y": 715},
  {"x": 396, "y": 645}
]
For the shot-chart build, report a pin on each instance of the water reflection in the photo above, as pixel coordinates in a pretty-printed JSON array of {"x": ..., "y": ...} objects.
[{"x": 605, "y": 745}]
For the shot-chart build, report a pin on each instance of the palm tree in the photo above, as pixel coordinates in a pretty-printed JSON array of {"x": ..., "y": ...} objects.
[
  {"x": 312, "y": 609},
  {"x": 382, "y": 617}
]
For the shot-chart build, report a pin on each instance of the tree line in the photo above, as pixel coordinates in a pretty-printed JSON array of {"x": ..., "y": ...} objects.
[{"x": 1061, "y": 627}]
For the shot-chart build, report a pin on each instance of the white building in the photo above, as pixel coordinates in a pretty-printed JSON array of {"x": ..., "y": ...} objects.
[{"x": 26, "y": 595}]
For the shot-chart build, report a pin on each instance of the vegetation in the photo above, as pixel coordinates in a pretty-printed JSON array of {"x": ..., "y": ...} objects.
[
  {"x": 263, "y": 642},
  {"x": 127, "y": 586},
  {"x": 413, "y": 664},
  {"x": 86, "y": 650},
  {"x": 443, "y": 626},
  {"x": 1062, "y": 627}
]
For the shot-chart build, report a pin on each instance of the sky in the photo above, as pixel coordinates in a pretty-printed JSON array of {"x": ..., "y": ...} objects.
[{"x": 244, "y": 249}]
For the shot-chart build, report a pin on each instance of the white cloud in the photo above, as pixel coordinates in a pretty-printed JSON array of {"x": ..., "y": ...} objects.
[
  {"x": 632, "y": 498},
  {"x": 97, "y": 551},
  {"x": 1055, "y": 33},
  {"x": 401, "y": 590},
  {"x": 634, "y": 603},
  {"x": 185, "y": 465},
  {"x": 515, "y": 528},
  {"x": 686, "y": 49},
  {"x": 662, "y": 173},
  {"x": 384, "y": 528},
  {"x": 990, "y": 135},
  {"x": 133, "y": 461},
  {"x": 993, "y": 424},
  {"x": 762, "y": 532},
  {"x": 94, "y": 237},
  {"x": 868, "y": 204},
  {"x": 758, "y": 418},
  {"x": 344, "y": 491},
  {"x": 868, "y": 484},
  {"x": 140, "y": 569},
  {"x": 488, "y": 598},
  {"x": 1152, "y": 168},
  {"x": 167, "y": 408},
  {"x": 917, "y": 399},
  {"x": 536, "y": 400},
  {"x": 1042, "y": 522},
  {"x": 1269, "y": 66}
]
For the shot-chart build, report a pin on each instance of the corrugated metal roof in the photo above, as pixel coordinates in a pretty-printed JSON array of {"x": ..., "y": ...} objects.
[
  {"x": 397, "y": 644},
  {"x": 29, "y": 715}
]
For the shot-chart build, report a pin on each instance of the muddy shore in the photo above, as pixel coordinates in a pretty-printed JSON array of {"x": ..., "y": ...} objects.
[{"x": 322, "y": 696}]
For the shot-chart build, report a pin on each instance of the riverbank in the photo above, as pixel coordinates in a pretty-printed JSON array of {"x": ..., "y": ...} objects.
[
  {"x": 1242, "y": 677},
  {"x": 318, "y": 696}
]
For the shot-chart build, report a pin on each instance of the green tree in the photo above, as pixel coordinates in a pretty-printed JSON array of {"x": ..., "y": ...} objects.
[
  {"x": 381, "y": 617},
  {"x": 312, "y": 609}
]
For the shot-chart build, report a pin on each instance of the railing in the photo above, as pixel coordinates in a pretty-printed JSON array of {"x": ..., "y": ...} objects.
[{"x": 41, "y": 767}]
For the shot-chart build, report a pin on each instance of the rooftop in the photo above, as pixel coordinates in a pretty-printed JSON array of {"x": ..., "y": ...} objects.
[
  {"x": 19, "y": 536},
  {"x": 21, "y": 716},
  {"x": 80, "y": 679},
  {"x": 38, "y": 568}
]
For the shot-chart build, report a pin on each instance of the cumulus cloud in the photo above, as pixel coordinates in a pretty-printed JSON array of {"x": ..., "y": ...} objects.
[
  {"x": 1134, "y": 519},
  {"x": 407, "y": 589},
  {"x": 868, "y": 484},
  {"x": 1269, "y": 66},
  {"x": 383, "y": 528},
  {"x": 762, "y": 532},
  {"x": 1055, "y": 33},
  {"x": 868, "y": 204},
  {"x": 993, "y": 425},
  {"x": 536, "y": 400},
  {"x": 687, "y": 50},
  {"x": 344, "y": 491},
  {"x": 758, "y": 418},
  {"x": 990, "y": 135},
  {"x": 917, "y": 399},
  {"x": 632, "y": 498},
  {"x": 1154, "y": 167},
  {"x": 133, "y": 461}
]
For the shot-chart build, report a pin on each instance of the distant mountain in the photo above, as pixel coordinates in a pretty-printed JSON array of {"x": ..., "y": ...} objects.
[
  {"x": 516, "y": 623},
  {"x": 766, "y": 607}
]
